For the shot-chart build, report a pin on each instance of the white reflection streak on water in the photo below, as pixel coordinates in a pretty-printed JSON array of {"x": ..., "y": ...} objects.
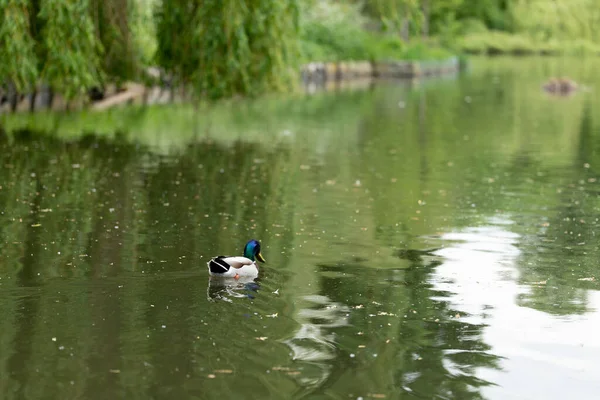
[
  {"x": 547, "y": 357},
  {"x": 313, "y": 344}
]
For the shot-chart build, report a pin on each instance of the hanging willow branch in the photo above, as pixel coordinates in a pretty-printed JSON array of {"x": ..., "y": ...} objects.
[
  {"x": 112, "y": 26},
  {"x": 229, "y": 47},
  {"x": 72, "y": 63},
  {"x": 18, "y": 63}
]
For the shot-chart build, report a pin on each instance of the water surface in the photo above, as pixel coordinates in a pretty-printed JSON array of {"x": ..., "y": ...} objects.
[{"x": 425, "y": 240}]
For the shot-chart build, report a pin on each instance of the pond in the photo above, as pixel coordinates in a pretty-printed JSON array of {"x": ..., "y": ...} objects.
[{"x": 423, "y": 240}]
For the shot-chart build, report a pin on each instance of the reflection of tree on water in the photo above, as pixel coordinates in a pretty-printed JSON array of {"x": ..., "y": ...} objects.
[
  {"x": 561, "y": 258},
  {"x": 444, "y": 351},
  {"x": 400, "y": 334},
  {"x": 59, "y": 185},
  {"x": 94, "y": 208},
  {"x": 28, "y": 318},
  {"x": 222, "y": 193}
]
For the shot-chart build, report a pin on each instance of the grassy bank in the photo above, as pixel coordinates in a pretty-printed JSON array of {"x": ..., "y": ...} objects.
[
  {"x": 326, "y": 44},
  {"x": 492, "y": 42}
]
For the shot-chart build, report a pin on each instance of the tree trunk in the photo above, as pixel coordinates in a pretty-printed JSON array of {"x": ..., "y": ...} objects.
[
  {"x": 50, "y": 98},
  {"x": 32, "y": 97},
  {"x": 13, "y": 96}
]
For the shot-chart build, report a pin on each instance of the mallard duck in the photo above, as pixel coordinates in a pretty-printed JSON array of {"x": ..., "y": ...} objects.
[{"x": 236, "y": 267}]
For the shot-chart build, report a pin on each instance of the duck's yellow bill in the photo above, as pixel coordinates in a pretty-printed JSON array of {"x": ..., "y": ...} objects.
[{"x": 260, "y": 258}]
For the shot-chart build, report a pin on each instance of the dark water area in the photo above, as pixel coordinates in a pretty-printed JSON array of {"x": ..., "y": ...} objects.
[{"x": 433, "y": 240}]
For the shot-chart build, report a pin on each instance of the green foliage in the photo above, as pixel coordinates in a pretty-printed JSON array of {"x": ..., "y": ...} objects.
[
  {"x": 174, "y": 34},
  {"x": 325, "y": 44},
  {"x": 18, "y": 62},
  {"x": 393, "y": 14},
  {"x": 423, "y": 51},
  {"x": 143, "y": 30},
  {"x": 388, "y": 47},
  {"x": 472, "y": 26},
  {"x": 70, "y": 45},
  {"x": 339, "y": 42},
  {"x": 559, "y": 19},
  {"x": 443, "y": 14},
  {"x": 72, "y": 62},
  {"x": 226, "y": 48},
  {"x": 505, "y": 43},
  {"x": 113, "y": 31},
  {"x": 333, "y": 32},
  {"x": 496, "y": 42},
  {"x": 495, "y": 14},
  {"x": 232, "y": 47}
]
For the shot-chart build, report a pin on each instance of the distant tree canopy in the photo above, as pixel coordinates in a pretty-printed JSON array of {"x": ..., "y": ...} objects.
[
  {"x": 228, "y": 47},
  {"x": 434, "y": 14}
]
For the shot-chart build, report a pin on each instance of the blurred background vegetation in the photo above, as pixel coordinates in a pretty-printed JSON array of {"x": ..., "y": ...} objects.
[{"x": 223, "y": 48}]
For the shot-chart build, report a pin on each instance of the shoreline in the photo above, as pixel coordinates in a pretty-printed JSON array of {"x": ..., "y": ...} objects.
[{"x": 312, "y": 75}]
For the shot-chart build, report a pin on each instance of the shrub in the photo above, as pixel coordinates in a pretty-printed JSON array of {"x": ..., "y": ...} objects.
[{"x": 505, "y": 43}]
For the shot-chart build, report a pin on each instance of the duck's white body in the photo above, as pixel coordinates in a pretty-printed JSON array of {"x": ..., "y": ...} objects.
[{"x": 232, "y": 267}]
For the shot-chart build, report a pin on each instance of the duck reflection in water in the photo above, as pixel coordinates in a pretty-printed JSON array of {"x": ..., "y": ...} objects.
[{"x": 220, "y": 288}]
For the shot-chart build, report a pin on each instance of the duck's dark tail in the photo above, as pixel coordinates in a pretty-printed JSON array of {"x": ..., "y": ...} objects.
[{"x": 218, "y": 266}]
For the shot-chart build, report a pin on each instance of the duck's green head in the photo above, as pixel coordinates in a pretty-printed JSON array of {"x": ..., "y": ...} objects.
[{"x": 252, "y": 251}]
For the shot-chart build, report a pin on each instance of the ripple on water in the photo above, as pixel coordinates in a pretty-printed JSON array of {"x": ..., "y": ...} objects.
[{"x": 313, "y": 344}]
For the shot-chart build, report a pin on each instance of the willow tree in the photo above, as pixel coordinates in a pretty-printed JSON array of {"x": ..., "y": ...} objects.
[
  {"x": 558, "y": 19},
  {"x": 112, "y": 24},
  {"x": 229, "y": 47},
  {"x": 72, "y": 60},
  {"x": 175, "y": 36},
  {"x": 18, "y": 64},
  {"x": 494, "y": 14}
]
